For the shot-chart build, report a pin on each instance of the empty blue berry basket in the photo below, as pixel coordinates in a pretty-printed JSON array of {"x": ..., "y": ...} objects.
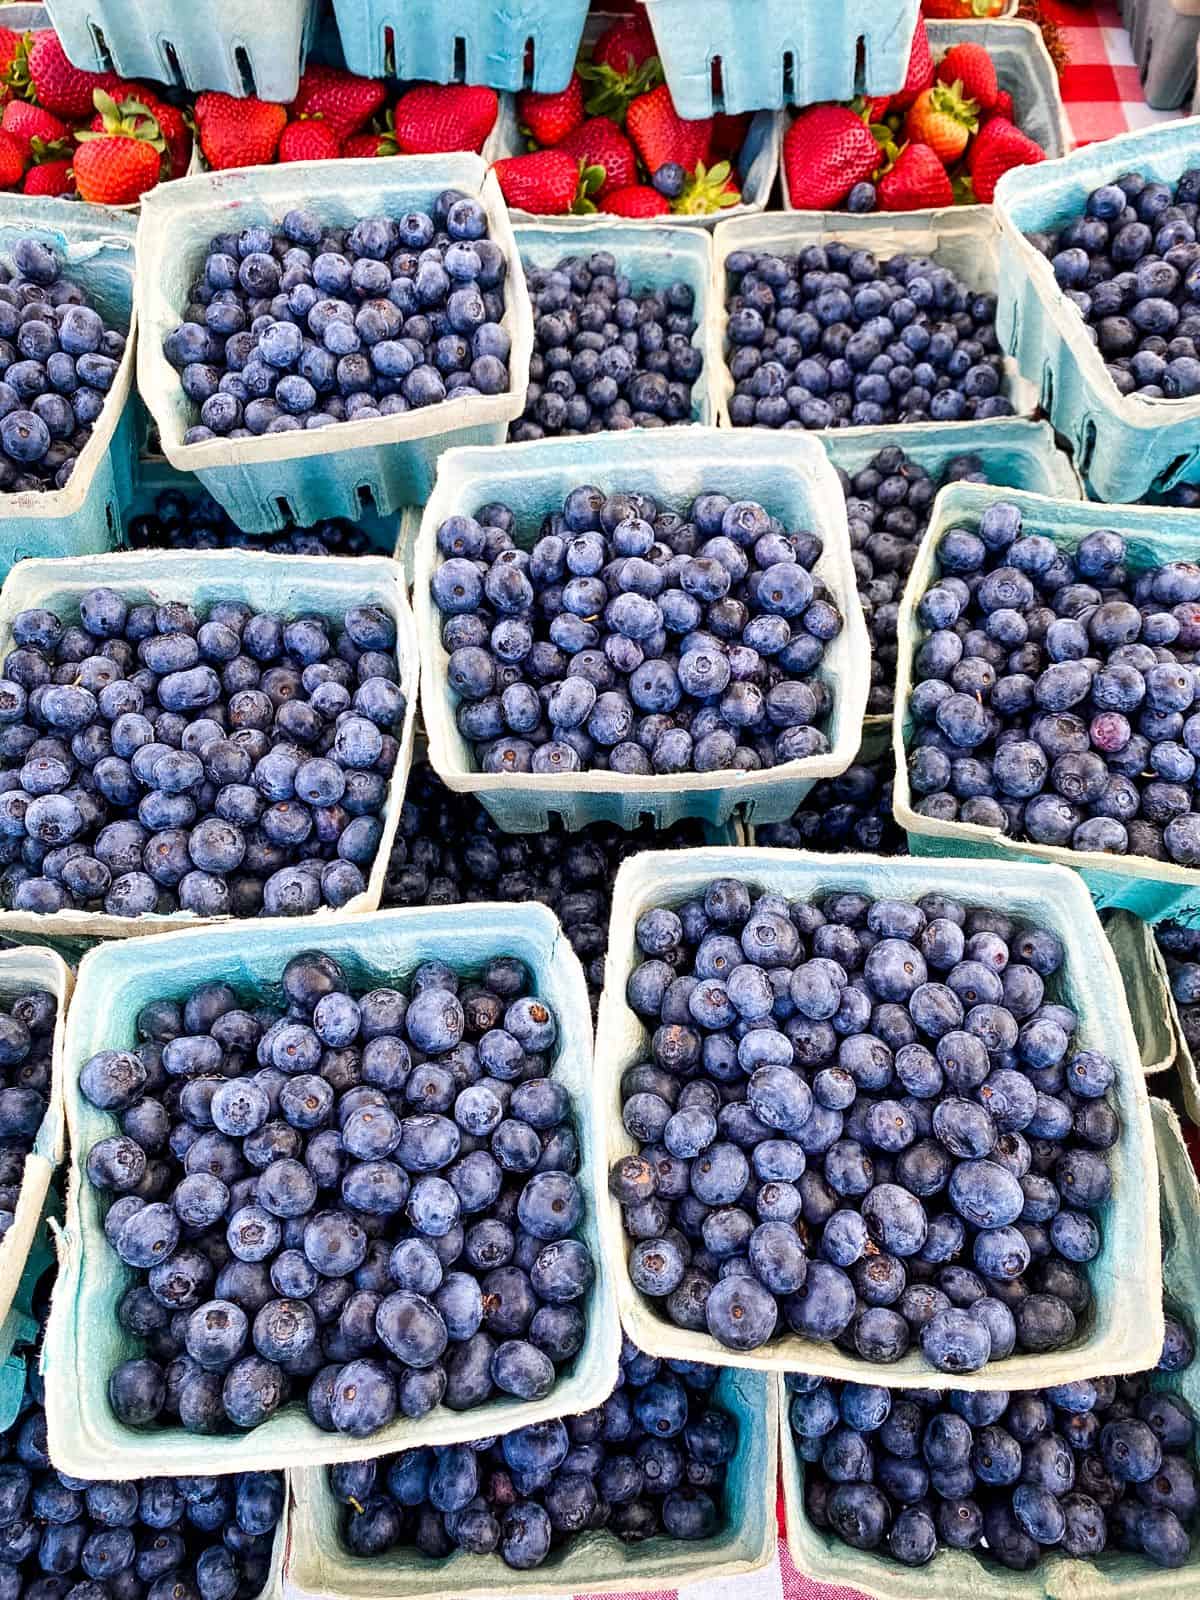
[
  {"x": 287, "y": 585},
  {"x": 96, "y": 247},
  {"x": 1152, "y": 889},
  {"x": 965, "y": 1575},
  {"x": 1125, "y": 1274},
  {"x": 595, "y": 1562},
  {"x": 84, "y": 1340},
  {"x": 509, "y": 44},
  {"x": 300, "y": 477},
  {"x": 241, "y": 47},
  {"x": 790, "y": 476},
  {"x": 1126, "y": 446},
  {"x": 747, "y": 55},
  {"x": 1147, "y": 988}
]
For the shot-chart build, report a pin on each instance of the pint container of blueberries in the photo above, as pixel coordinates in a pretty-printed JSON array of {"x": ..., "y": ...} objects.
[
  {"x": 1125, "y": 1273},
  {"x": 320, "y": 1564},
  {"x": 85, "y": 1341},
  {"x": 974, "y": 1575},
  {"x": 1150, "y": 888},
  {"x": 95, "y": 246},
  {"x": 290, "y": 586},
  {"x": 794, "y": 481},
  {"x": 963, "y": 239},
  {"x": 1126, "y": 446},
  {"x": 382, "y": 463}
]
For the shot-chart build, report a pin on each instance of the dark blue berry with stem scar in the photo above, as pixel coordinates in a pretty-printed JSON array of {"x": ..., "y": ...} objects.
[
  {"x": 833, "y": 338},
  {"x": 840, "y": 1133},
  {"x": 350, "y": 326},
  {"x": 220, "y": 762},
  {"x": 367, "y": 1202},
  {"x": 1104, "y": 1464},
  {"x": 651, "y": 1462},
  {"x": 1055, "y": 691},
  {"x": 27, "y": 1023},
  {"x": 609, "y": 353},
  {"x": 61, "y": 357},
  {"x": 649, "y": 641}
]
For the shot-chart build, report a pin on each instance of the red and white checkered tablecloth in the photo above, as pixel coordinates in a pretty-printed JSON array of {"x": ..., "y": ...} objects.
[{"x": 1100, "y": 87}]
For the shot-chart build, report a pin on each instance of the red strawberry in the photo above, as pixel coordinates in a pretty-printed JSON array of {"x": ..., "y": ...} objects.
[
  {"x": 626, "y": 44},
  {"x": 27, "y": 123},
  {"x": 12, "y": 161},
  {"x": 547, "y": 182},
  {"x": 238, "y": 133},
  {"x": 942, "y": 119},
  {"x": 1003, "y": 106},
  {"x": 959, "y": 10},
  {"x": 826, "y": 151},
  {"x": 920, "y": 70},
  {"x": 637, "y": 200},
  {"x": 370, "y": 144},
  {"x": 729, "y": 133},
  {"x": 661, "y": 134},
  {"x": 624, "y": 64},
  {"x": 115, "y": 166},
  {"x": 971, "y": 68},
  {"x": 10, "y": 43},
  {"x": 709, "y": 190},
  {"x": 917, "y": 180},
  {"x": 998, "y": 147},
  {"x": 451, "y": 116},
  {"x": 171, "y": 124},
  {"x": 345, "y": 101},
  {"x": 40, "y": 71},
  {"x": 50, "y": 178},
  {"x": 310, "y": 139},
  {"x": 600, "y": 143},
  {"x": 551, "y": 117}
]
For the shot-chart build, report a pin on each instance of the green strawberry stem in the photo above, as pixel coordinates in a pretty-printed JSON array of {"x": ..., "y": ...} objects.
[
  {"x": 17, "y": 75},
  {"x": 591, "y": 181},
  {"x": 614, "y": 90},
  {"x": 131, "y": 120},
  {"x": 706, "y": 191}
]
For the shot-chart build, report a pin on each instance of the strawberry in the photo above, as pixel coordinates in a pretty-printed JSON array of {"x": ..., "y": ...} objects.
[
  {"x": 39, "y": 70},
  {"x": 238, "y": 133},
  {"x": 955, "y": 10},
  {"x": 624, "y": 65},
  {"x": 50, "y": 178},
  {"x": 920, "y": 70},
  {"x": 116, "y": 169},
  {"x": 26, "y": 123},
  {"x": 10, "y": 43},
  {"x": 1003, "y": 106},
  {"x": 916, "y": 180},
  {"x": 662, "y": 135},
  {"x": 637, "y": 200},
  {"x": 600, "y": 143},
  {"x": 709, "y": 190},
  {"x": 729, "y": 133},
  {"x": 309, "y": 139},
  {"x": 451, "y": 116},
  {"x": 971, "y": 68},
  {"x": 370, "y": 144},
  {"x": 999, "y": 146},
  {"x": 12, "y": 161},
  {"x": 345, "y": 101},
  {"x": 547, "y": 182},
  {"x": 551, "y": 117},
  {"x": 171, "y": 124},
  {"x": 943, "y": 120},
  {"x": 826, "y": 151}
]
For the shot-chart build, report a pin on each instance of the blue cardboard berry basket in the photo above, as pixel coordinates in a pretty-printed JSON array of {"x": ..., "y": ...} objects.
[
  {"x": 772, "y": 53},
  {"x": 967, "y": 1575},
  {"x": 1185, "y": 1062},
  {"x": 300, "y": 477},
  {"x": 508, "y": 44},
  {"x": 963, "y": 238},
  {"x": 84, "y": 1341},
  {"x": 1151, "y": 889},
  {"x": 1024, "y": 68},
  {"x": 319, "y": 1563},
  {"x": 96, "y": 246},
  {"x": 1147, "y": 988},
  {"x": 1126, "y": 446},
  {"x": 1127, "y": 1270},
  {"x": 792, "y": 478},
  {"x": 290, "y": 585},
  {"x": 241, "y": 47}
]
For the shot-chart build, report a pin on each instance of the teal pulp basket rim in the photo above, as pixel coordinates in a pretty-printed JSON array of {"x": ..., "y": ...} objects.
[
  {"x": 382, "y": 946},
  {"x": 178, "y": 575},
  {"x": 1147, "y": 988},
  {"x": 963, "y": 501},
  {"x": 1057, "y": 899},
  {"x": 961, "y": 1575}
]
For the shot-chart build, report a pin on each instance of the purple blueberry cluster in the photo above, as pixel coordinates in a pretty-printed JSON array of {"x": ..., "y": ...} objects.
[
  {"x": 850, "y": 812},
  {"x": 632, "y": 639},
  {"x": 312, "y": 325},
  {"x": 154, "y": 760},
  {"x": 1055, "y": 691},
  {"x": 1130, "y": 265},
  {"x": 26, "y": 1047},
  {"x": 182, "y": 521},
  {"x": 605, "y": 354},
  {"x": 832, "y": 338},
  {"x": 1100, "y": 1464},
  {"x": 58, "y": 360},
  {"x": 650, "y": 1463},
  {"x": 365, "y": 1201},
  {"x": 864, "y": 1120}
]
